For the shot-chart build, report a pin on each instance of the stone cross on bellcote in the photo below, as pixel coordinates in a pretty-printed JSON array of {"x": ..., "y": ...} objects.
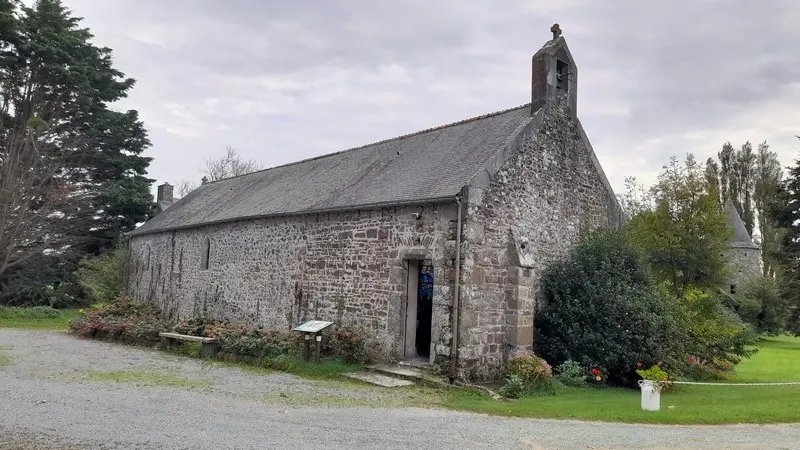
[{"x": 556, "y": 30}]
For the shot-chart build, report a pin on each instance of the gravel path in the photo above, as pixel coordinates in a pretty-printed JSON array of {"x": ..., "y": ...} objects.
[{"x": 58, "y": 392}]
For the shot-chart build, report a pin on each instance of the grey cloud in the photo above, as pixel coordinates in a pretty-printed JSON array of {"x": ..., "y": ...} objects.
[{"x": 287, "y": 80}]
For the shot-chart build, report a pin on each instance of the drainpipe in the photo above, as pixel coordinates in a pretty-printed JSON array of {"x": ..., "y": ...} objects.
[{"x": 456, "y": 297}]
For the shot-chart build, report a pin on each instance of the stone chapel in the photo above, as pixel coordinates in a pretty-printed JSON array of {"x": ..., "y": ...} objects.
[{"x": 432, "y": 241}]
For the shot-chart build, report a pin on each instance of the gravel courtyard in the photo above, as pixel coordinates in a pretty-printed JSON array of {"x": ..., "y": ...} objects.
[{"x": 57, "y": 391}]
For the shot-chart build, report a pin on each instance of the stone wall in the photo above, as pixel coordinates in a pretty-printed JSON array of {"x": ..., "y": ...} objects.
[
  {"x": 745, "y": 263},
  {"x": 347, "y": 267},
  {"x": 531, "y": 213}
]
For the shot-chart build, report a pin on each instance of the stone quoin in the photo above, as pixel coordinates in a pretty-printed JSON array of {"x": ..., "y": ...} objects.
[{"x": 369, "y": 237}]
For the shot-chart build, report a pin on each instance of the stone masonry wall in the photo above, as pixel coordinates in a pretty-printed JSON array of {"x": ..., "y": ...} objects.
[
  {"x": 745, "y": 263},
  {"x": 532, "y": 213},
  {"x": 347, "y": 267}
]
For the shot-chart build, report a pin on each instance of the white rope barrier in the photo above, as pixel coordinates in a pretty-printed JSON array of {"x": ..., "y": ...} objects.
[{"x": 788, "y": 383}]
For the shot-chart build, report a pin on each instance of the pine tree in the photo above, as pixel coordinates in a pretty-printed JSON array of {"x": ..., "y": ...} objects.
[
  {"x": 88, "y": 182},
  {"x": 786, "y": 212}
]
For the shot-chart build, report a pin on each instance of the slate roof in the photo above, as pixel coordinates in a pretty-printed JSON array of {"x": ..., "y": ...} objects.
[
  {"x": 431, "y": 165},
  {"x": 741, "y": 238}
]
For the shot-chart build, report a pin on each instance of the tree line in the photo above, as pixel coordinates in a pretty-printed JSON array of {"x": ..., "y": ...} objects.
[{"x": 72, "y": 174}]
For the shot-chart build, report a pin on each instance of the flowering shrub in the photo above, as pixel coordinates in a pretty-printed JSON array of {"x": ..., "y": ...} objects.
[
  {"x": 126, "y": 321},
  {"x": 141, "y": 322},
  {"x": 527, "y": 374},
  {"x": 597, "y": 375},
  {"x": 700, "y": 369},
  {"x": 531, "y": 369}
]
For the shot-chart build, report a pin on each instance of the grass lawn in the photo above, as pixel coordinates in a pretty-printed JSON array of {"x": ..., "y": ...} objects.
[
  {"x": 778, "y": 360},
  {"x": 37, "y": 318}
]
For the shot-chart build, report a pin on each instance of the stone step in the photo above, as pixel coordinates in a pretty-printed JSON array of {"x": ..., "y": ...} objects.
[
  {"x": 406, "y": 372},
  {"x": 378, "y": 379}
]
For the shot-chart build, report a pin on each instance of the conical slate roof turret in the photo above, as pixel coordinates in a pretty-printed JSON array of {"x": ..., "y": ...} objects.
[{"x": 741, "y": 238}]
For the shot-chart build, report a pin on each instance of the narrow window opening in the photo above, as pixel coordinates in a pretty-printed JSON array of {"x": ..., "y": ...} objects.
[
  {"x": 733, "y": 289},
  {"x": 206, "y": 255},
  {"x": 562, "y": 75}
]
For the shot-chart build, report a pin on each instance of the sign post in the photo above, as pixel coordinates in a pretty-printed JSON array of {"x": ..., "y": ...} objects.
[{"x": 311, "y": 330}]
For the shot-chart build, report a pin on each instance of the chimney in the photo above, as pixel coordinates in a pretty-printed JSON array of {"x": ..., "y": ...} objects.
[
  {"x": 555, "y": 75},
  {"x": 165, "y": 195}
]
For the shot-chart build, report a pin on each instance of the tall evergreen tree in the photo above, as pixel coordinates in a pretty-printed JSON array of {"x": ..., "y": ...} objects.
[
  {"x": 786, "y": 212},
  {"x": 89, "y": 182}
]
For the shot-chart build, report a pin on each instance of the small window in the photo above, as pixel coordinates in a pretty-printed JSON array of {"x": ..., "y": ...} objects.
[
  {"x": 733, "y": 289},
  {"x": 206, "y": 255}
]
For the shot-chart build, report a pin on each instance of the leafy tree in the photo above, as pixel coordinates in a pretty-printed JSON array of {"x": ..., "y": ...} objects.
[
  {"x": 786, "y": 213},
  {"x": 760, "y": 304},
  {"x": 767, "y": 181},
  {"x": 726, "y": 157},
  {"x": 685, "y": 234},
  {"x": 73, "y": 177},
  {"x": 602, "y": 309},
  {"x": 636, "y": 198},
  {"x": 716, "y": 333},
  {"x": 712, "y": 180}
]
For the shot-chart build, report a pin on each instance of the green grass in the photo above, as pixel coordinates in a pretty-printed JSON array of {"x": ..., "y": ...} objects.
[
  {"x": 147, "y": 379},
  {"x": 778, "y": 360},
  {"x": 4, "y": 360},
  {"x": 40, "y": 317}
]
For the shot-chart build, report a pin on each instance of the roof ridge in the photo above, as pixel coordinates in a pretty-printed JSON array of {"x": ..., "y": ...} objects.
[{"x": 396, "y": 138}]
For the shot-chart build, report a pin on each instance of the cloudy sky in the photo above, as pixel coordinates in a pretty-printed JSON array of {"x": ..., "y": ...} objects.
[{"x": 283, "y": 81}]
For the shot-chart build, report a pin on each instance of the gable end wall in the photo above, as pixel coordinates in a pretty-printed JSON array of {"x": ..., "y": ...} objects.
[{"x": 542, "y": 198}]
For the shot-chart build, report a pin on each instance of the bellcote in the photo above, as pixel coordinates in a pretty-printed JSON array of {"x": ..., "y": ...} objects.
[{"x": 555, "y": 75}]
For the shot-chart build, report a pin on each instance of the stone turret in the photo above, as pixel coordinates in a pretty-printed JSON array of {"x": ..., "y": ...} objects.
[{"x": 744, "y": 254}]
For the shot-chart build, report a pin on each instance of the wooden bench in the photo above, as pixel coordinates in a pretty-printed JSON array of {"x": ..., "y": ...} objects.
[{"x": 171, "y": 339}]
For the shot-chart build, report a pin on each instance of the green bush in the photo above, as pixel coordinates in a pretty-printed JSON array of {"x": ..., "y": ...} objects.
[
  {"x": 571, "y": 373},
  {"x": 105, "y": 277},
  {"x": 655, "y": 374},
  {"x": 601, "y": 308},
  {"x": 760, "y": 304},
  {"x": 256, "y": 343},
  {"x": 41, "y": 282},
  {"x": 348, "y": 344},
  {"x": 716, "y": 334},
  {"x": 514, "y": 387}
]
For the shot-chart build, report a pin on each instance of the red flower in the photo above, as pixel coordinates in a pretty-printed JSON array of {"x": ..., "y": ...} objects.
[
  {"x": 595, "y": 372},
  {"x": 639, "y": 364},
  {"x": 691, "y": 360}
]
